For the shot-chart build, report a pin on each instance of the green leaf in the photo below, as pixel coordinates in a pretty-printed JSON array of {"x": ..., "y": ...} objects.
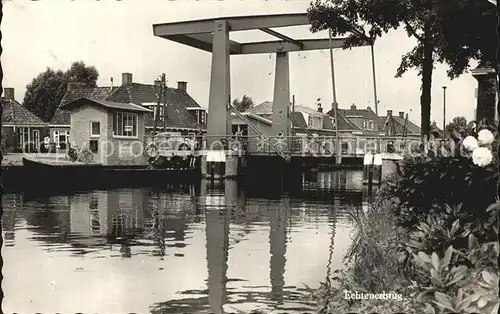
[
  {"x": 443, "y": 301},
  {"x": 482, "y": 302},
  {"x": 435, "y": 260},
  {"x": 454, "y": 226},
  {"x": 489, "y": 278},
  {"x": 473, "y": 244},
  {"x": 493, "y": 206},
  {"x": 435, "y": 278},
  {"x": 447, "y": 256}
]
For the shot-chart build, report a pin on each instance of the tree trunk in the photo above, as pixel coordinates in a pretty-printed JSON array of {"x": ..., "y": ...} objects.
[{"x": 425, "y": 97}]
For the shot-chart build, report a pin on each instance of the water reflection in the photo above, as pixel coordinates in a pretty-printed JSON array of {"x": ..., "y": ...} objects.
[{"x": 187, "y": 249}]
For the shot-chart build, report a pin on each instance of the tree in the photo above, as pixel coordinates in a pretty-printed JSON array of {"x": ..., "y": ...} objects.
[
  {"x": 45, "y": 92},
  {"x": 446, "y": 31},
  {"x": 458, "y": 124},
  {"x": 243, "y": 104}
]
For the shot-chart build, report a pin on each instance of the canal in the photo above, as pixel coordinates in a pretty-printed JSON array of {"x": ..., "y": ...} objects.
[{"x": 203, "y": 248}]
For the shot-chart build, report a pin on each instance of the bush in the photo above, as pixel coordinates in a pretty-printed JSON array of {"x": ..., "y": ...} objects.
[{"x": 425, "y": 185}]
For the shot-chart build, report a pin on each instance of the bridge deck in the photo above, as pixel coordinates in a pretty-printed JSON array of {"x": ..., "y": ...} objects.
[{"x": 297, "y": 146}]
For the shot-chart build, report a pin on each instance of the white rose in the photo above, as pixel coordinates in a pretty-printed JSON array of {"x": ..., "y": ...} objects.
[
  {"x": 470, "y": 143},
  {"x": 482, "y": 156},
  {"x": 485, "y": 137}
]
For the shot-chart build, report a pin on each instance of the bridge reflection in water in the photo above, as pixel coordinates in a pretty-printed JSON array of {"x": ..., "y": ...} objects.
[{"x": 150, "y": 244}]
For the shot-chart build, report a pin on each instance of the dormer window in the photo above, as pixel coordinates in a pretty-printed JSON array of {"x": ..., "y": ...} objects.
[{"x": 370, "y": 125}]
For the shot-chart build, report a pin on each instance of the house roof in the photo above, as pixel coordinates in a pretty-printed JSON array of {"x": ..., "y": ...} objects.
[
  {"x": 265, "y": 108},
  {"x": 16, "y": 114},
  {"x": 177, "y": 117},
  {"x": 344, "y": 124},
  {"x": 177, "y": 103},
  {"x": 310, "y": 111},
  {"x": 398, "y": 123},
  {"x": 104, "y": 103},
  {"x": 353, "y": 111},
  {"x": 298, "y": 120},
  {"x": 145, "y": 93},
  {"x": 139, "y": 94},
  {"x": 62, "y": 117}
]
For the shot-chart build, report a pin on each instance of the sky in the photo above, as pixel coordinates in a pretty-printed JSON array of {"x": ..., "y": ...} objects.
[{"x": 117, "y": 37}]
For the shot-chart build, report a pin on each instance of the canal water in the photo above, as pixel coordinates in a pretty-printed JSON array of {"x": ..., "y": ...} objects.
[{"x": 204, "y": 248}]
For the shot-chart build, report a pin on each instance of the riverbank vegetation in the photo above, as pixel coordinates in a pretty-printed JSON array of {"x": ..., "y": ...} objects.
[{"x": 429, "y": 236}]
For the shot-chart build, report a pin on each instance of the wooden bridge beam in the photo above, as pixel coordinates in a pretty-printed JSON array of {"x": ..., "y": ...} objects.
[{"x": 219, "y": 118}]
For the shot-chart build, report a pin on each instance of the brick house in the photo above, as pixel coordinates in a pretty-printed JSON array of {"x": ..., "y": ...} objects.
[
  {"x": 184, "y": 115},
  {"x": 400, "y": 125},
  {"x": 21, "y": 129},
  {"x": 113, "y": 132}
]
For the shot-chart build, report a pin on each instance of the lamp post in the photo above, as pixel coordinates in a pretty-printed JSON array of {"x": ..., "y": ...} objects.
[{"x": 444, "y": 108}]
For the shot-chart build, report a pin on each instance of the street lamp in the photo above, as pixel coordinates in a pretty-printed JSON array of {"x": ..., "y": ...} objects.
[{"x": 444, "y": 108}]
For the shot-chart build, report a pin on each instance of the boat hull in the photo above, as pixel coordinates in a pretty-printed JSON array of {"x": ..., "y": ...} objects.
[{"x": 47, "y": 175}]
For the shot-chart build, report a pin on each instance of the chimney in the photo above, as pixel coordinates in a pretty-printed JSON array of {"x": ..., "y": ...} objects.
[
  {"x": 8, "y": 93},
  {"x": 126, "y": 79},
  {"x": 353, "y": 107},
  {"x": 319, "y": 108},
  {"x": 402, "y": 114},
  {"x": 182, "y": 85},
  {"x": 389, "y": 113}
]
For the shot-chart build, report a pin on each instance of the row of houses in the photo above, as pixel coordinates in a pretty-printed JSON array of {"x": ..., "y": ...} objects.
[
  {"x": 354, "y": 121},
  {"x": 183, "y": 116}
]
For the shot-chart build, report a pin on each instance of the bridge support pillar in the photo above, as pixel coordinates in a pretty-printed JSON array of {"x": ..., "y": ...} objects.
[
  {"x": 219, "y": 164},
  {"x": 377, "y": 169},
  {"x": 281, "y": 100},
  {"x": 203, "y": 166},
  {"x": 232, "y": 161},
  {"x": 367, "y": 169},
  {"x": 219, "y": 118}
]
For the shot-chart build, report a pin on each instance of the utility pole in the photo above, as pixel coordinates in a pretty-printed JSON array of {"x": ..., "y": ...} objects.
[
  {"x": 164, "y": 86},
  {"x": 375, "y": 96},
  {"x": 338, "y": 157},
  {"x": 158, "y": 104},
  {"x": 444, "y": 108}
]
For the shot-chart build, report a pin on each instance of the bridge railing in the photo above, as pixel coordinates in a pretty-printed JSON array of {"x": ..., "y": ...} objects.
[{"x": 291, "y": 145}]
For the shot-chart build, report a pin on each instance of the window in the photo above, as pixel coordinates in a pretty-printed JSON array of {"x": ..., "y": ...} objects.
[
  {"x": 61, "y": 137},
  {"x": 364, "y": 124},
  {"x": 125, "y": 124},
  {"x": 94, "y": 146},
  {"x": 95, "y": 128},
  {"x": 370, "y": 125}
]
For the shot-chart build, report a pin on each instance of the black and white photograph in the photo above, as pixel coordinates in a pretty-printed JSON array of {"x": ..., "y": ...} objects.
[{"x": 250, "y": 156}]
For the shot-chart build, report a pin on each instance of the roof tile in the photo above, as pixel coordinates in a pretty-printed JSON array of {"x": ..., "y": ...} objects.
[{"x": 18, "y": 115}]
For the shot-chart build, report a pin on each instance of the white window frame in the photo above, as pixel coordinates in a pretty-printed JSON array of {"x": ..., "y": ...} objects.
[
  {"x": 124, "y": 118},
  {"x": 36, "y": 139},
  {"x": 57, "y": 134},
  {"x": 370, "y": 125},
  {"x": 91, "y": 129}
]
